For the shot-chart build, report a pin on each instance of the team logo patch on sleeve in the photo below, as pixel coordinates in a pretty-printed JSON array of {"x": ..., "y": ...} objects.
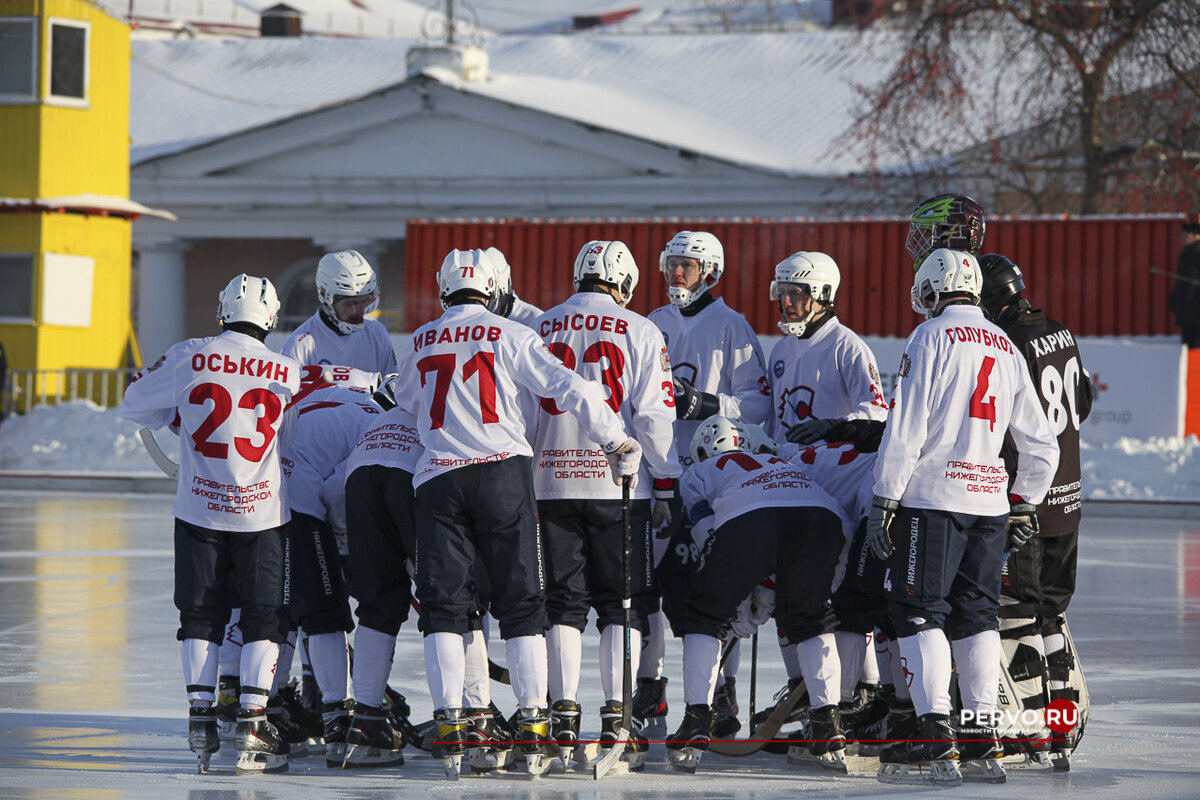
[
  {"x": 873, "y": 373},
  {"x": 664, "y": 360},
  {"x": 905, "y": 366},
  {"x": 777, "y": 368}
]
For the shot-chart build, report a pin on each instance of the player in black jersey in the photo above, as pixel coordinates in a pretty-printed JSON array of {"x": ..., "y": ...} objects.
[{"x": 1039, "y": 577}]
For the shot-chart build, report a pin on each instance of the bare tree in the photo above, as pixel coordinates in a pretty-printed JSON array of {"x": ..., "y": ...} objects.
[{"x": 1081, "y": 106}]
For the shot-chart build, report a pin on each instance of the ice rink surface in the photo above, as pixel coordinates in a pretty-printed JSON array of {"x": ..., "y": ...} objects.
[{"x": 92, "y": 703}]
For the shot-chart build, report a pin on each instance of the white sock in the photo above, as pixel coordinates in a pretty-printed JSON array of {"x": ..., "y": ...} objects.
[
  {"x": 373, "y": 653},
  {"x": 927, "y": 657},
  {"x": 978, "y": 660},
  {"x": 730, "y": 670},
  {"x": 901, "y": 678},
  {"x": 851, "y": 652},
  {"x": 791, "y": 659},
  {"x": 870, "y": 667},
  {"x": 821, "y": 669},
  {"x": 231, "y": 646},
  {"x": 612, "y": 659},
  {"x": 701, "y": 654},
  {"x": 200, "y": 659},
  {"x": 477, "y": 681},
  {"x": 564, "y": 652},
  {"x": 258, "y": 668},
  {"x": 654, "y": 647},
  {"x": 330, "y": 661},
  {"x": 527, "y": 669},
  {"x": 445, "y": 662}
]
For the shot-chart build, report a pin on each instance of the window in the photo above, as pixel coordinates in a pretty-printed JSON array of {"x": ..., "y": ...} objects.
[
  {"x": 18, "y": 60},
  {"x": 16, "y": 276},
  {"x": 68, "y": 62}
]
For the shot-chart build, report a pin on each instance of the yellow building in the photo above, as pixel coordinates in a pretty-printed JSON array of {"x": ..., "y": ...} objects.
[{"x": 65, "y": 212}]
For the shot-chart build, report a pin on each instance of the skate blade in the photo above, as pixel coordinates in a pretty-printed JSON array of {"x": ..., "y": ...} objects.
[
  {"x": 256, "y": 763},
  {"x": 798, "y": 755},
  {"x": 984, "y": 770},
  {"x": 452, "y": 766},
  {"x": 202, "y": 763},
  {"x": 361, "y": 755},
  {"x": 685, "y": 760},
  {"x": 585, "y": 754},
  {"x": 536, "y": 764},
  {"x": 335, "y": 755},
  {"x": 486, "y": 759},
  {"x": 1028, "y": 762},
  {"x": 654, "y": 727},
  {"x": 1061, "y": 762},
  {"x": 937, "y": 773},
  {"x": 226, "y": 731}
]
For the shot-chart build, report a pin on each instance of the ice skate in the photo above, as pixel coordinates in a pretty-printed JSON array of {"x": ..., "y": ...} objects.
[
  {"x": 931, "y": 758},
  {"x": 259, "y": 746},
  {"x": 633, "y": 755},
  {"x": 1026, "y": 755},
  {"x": 899, "y": 723},
  {"x": 489, "y": 746},
  {"x": 228, "y": 689},
  {"x": 725, "y": 711},
  {"x": 1062, "y": 745},
  {"x": 336, "y": 720},
  {"x": 450, "y": 737},
  {"x": 371, "y": 740},
  {"x": 202, "y": 735},
  {"x": 650, "y": 707},
  {"x": 980, "y": 754},
  {"x": 302, "y": 729},
  {"x": 564, "y": 727},
  {"x": 535, "y": 741},
  {"x": 686, "y": 746},
  {"x": 821, "y": 742}
]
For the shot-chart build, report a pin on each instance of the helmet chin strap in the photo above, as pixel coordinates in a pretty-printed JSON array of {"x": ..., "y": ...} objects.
[{"x": 341, "y": 326}]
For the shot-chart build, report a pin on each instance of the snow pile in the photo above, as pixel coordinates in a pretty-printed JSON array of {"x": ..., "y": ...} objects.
[{"x": 82, "y": 437}]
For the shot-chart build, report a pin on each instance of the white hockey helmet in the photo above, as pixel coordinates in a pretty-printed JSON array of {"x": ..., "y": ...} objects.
[
  {"x": 249, "y": 299},
  {"x": 345, "y": 274},
  {"x": 759, "y": 441},
  {"x": 945, "y": 271},
  {"x": 504, "y": 281},
  {"x": 719, "y": 434},
  {"x": 469, "y": 270},
  {"x": 815, "y": 273},
  {"x": 705, "y": 248},
  {"x": 607, "y": 262}
]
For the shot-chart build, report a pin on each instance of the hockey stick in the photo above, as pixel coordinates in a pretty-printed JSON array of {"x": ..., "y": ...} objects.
[
  {"x": 765, "y": 732},
  {"x": 753, "y": 677},
  {"x": 160, "y": 459},
  {"x": 606, "y": 762}
]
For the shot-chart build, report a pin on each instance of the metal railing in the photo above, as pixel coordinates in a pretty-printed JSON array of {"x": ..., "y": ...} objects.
[{"x": 27, "y": 388}]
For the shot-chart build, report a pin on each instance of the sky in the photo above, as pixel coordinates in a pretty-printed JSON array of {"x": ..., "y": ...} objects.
[{"x": 81, "y": 437}]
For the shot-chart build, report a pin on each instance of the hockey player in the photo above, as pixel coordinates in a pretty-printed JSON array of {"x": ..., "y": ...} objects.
[
  {"x": 579, "y": 506},
  {"x": 954, "y": 221},
  {"x": 940, "y": 511},
  {"x": 717, "y": 368},
  {"x": 228, "y": 393},
  {"x": 474, "y": 490},
  {"x": 339, "y": 332},
  {"x": 1039, "y": 578},
  {"x": 766, "y": 516}
]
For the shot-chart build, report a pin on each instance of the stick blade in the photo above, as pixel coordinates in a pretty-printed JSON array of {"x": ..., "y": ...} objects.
[{"x": 607, "y": 762}]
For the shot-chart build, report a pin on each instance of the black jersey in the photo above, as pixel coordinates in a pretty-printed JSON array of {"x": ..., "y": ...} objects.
[{"x": 1057, "y": 370}]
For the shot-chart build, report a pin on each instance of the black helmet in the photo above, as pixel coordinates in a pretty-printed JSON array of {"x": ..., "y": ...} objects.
[
  {"x": 1002, "y": 285},
  {"x": 948, "y": 220}
]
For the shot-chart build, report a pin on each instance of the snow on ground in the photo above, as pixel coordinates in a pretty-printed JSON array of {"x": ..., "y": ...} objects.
[{"x": 80, "y": 437}]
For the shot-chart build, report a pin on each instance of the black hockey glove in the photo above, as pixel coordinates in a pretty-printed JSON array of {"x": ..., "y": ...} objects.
[
  {"x": 879, "y": 521},
  {"x": 691, "y": 403},
  {"x": 811, "y": 430},
  {"x": 1022, "y": 523},
  {"x": 864, "y": 434}
]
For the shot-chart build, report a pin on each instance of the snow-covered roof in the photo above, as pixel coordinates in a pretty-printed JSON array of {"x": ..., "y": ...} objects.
[{"x": 775, "y": 102}]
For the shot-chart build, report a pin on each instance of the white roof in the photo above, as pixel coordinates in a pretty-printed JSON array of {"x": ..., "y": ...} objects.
[{"x": 774, "y": 102}]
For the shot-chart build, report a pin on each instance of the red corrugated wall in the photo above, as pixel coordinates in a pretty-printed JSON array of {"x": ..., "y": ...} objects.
[{"x": 1093, "y": 274}]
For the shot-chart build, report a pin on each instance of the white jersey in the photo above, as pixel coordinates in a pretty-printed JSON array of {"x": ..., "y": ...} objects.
[
  {"x": 620, "y": 350},
  {"x": 463, "y": 384},
  {"x": 962, "y": 383},
  {"x": 369, "y": 349},
  {"x": 831, "y": 375},
  {"x": 391, "y": 441},
  {"x": 718, "y": 352},
  {"x": 732, "y": 484},
  {"x": 524, "y": 313},
  {"x": 231, "y": 395},
  {"x": 841, "y": 470},
  {"x": 329, "y": 420}
]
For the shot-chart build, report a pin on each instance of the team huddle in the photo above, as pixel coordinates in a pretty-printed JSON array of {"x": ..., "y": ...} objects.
[{"x": 530, "y": 470}]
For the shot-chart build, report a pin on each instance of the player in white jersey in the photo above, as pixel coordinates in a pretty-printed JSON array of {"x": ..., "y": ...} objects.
[
  {"x": 717, "y": 367},
  {"x": 766, "y": 516},
  {"x": 339, "y": 332},
  {"x": 474, "y": 487},
  {"x": 579, "y": 506},
  {"x": 820, "y": 371},
  {"x": 940, "y": 487},
  {"x": 228, "y": 394},
  {"x": 329, "y": 420}
]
